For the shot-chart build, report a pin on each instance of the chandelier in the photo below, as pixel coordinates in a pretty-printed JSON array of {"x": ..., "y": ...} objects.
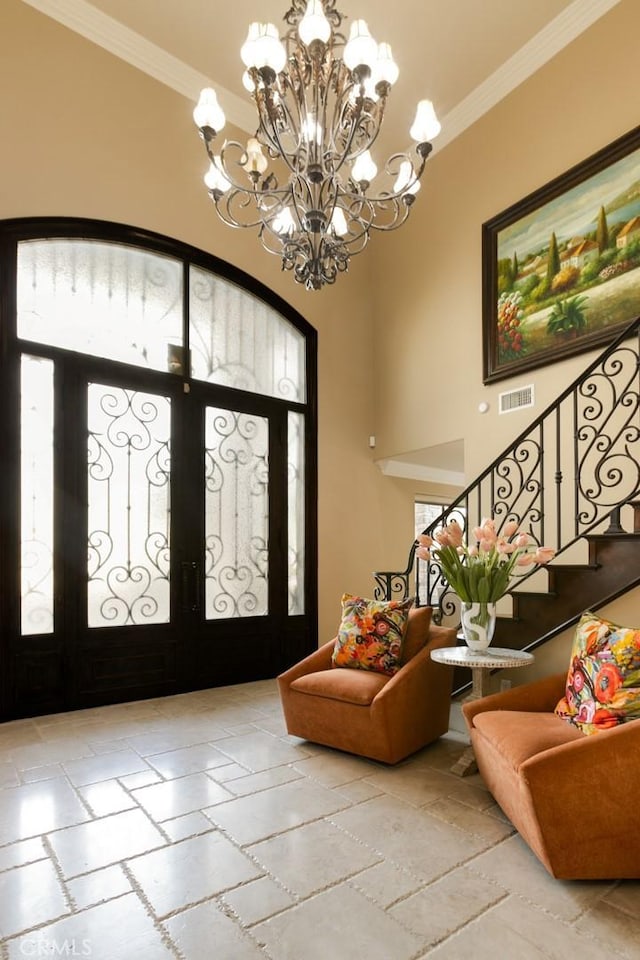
[{"x": 307, "y": 180}]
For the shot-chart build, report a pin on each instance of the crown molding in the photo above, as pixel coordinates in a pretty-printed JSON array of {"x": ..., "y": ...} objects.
[
  {"x": 113, "y": 36},
  {"x": 558, "y": 33}
]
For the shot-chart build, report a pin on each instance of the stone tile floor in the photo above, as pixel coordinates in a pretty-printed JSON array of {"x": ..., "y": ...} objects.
[{"x": 194, "y": 827}]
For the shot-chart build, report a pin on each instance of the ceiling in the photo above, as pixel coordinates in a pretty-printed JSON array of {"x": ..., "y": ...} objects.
[{"x": 464, "y": 55}]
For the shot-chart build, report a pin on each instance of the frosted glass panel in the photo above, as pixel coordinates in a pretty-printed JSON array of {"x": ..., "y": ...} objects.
[
  {"x": 104, "y": 299},
  {"x": 238, "y": 341},
  {"x": 36, "y": 451},
  {"x": 236, "y": 514},
  {"x": 296, "y": 513},
  {"x": 129, "y": 506}
]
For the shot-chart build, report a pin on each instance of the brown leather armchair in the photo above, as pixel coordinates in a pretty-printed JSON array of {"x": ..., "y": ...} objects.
[
  {"x": 370, "y": 714},
  {"x": 573, "y": 798}
]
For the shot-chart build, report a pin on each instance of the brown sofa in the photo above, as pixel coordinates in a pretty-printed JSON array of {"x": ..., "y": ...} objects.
[
  {"x": 372, "y": 715},
  {"x": 573, "y": 798}
]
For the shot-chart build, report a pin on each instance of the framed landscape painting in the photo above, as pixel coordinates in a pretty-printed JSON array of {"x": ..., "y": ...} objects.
[{"x": 561, "y": 268}]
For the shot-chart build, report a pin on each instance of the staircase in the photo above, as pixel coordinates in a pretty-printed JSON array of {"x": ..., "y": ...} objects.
[{"x": 572, "y": 481}]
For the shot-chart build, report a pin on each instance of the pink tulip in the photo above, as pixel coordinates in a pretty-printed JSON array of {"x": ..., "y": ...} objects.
[
  {"x": 510, "y": 528},
  {"x": 503, "y": 546},
  {"x": 523, "y": 540},
  {"x": 478, "y": 533},
  {"x": 473, "y": 551},
  {"x": 423, "y": 553},
  {"x": 544, "y": 554},
  {"x": 525, "y": 560},
  {"x": 489, "y": 524},
  {"x": 486, "y": 546},
  {"x": 455, "y": 533},
  {"x": 424, "y": 540},
  {"x": 443, "y": 538}
]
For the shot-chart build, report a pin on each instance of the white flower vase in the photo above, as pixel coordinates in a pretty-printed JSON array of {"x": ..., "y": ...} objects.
[{"x": 478, "y": 623}]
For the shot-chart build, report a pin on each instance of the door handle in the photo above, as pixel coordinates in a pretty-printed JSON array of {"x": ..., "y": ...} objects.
[{"x": 190, "y": 571}]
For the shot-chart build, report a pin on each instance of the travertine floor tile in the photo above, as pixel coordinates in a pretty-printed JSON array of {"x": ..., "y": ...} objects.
[
  {"x": 134, "y": 781},
  {"x": 164, "y": 801},
  {"x": 443, "y": 907},
  {"x": 313, "y": 857},
  {"x": 101, "y": 842},
  {"x": 195, "y": 931},
  {"x": 27, "y": 851},
  {"x": 515, "y": 928},
  {"x": 259, "y": 751},
  {"x": 106, "y": 797},
  {"x": 332, "y": 769},
  {"x": 99, "y": 886},
  {"x": 118, "y": 930},
  {"x": 29, "y": 896},
  {"x": 411, "y": 783},
  {"x": 625, "y": 896},
  {"x": 257, "y": 900},
  {"x": 358, "y": 790},
  {"x": 254, "y": 782},
  {"x": 514, "y": 867},
  {"x": 190, "y": 825},
  {"x": 104, "y": 767},
  {"x": 411, "y": 838},
  {"x": 249, "y": 819},
  {"x": 47, "y": 772},
  {"x": 179, "y": 763},
  {"x": 615, "y": 929},
  {"x": 385, "y": 883},
  {"x": 169, "y": 738},
  {"x": 340, "y": 923},
  {"x": 8, "y": 775},
  {"x": 199, "y": 868},
  {"x": 42, "y": 754},
  {"x": 473, "y": 821},
  {"x": 37, "y": 808}
]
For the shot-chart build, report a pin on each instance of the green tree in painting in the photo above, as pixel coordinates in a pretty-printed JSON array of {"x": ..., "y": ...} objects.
[
  {"x": 505, "y": 275},
  {"x": 515, "y": 268},
  {"x": 602, "y": 231},
  {"x": 553, "y": 261}
]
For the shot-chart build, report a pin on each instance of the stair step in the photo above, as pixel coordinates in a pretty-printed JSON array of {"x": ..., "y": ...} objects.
[{"x": 604, "y": 537}]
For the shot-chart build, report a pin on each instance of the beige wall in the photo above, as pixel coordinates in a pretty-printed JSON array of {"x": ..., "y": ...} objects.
[
  {"x": 86, "y": 135},
  {"x": 428, "y": 312}
]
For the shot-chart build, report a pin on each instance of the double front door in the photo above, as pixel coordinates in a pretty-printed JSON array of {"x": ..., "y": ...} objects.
[
  {"x": 169, "y": 513},
  {"x": 157, "y": 491}
]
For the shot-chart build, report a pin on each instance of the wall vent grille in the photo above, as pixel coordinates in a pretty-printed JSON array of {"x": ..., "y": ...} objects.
[{"x": 512, "y": 400}]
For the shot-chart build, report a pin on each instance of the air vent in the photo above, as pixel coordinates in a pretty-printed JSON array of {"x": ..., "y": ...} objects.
[{"x": 512, "y": 400}]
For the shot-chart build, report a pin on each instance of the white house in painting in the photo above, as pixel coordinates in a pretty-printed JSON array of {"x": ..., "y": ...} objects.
[
  {"x": 582, "y": 254},
  {"x": 630, "y": 232}
]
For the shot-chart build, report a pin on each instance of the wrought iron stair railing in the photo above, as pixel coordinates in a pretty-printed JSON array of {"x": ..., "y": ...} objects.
[{"x": 570, "y": 474}]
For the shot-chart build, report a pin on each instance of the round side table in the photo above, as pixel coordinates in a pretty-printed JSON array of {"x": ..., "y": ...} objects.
[{"x": 481, "y": 663}]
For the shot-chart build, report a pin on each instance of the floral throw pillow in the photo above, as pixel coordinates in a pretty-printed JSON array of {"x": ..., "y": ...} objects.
[
  {"x": 603, "y": 683},
  {"x": 371, "y": 634}
]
